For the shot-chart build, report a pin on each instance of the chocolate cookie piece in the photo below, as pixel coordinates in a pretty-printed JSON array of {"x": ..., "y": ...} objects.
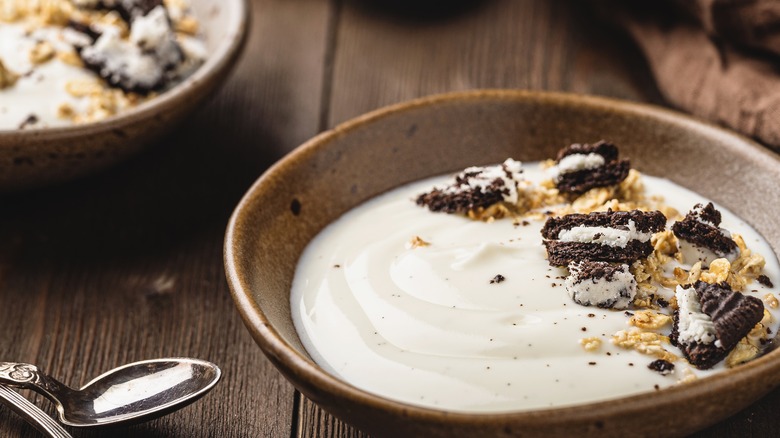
[
  {"x": 644, "y": 221},
  {"x": 123, "y": 65},
  {"x": 581, "y": 167},
  {"x": 700, "y": 227},
  {"x": 733, "y": 314},
  {"x": 143, "y": 63},
  {"x": 600, "y": 284},
  {"x": 581, "y": 181},
  {"x": 562, "y": 253},
  {"x": 717, "y": 319},
  {"x": 476, "y": 188},
  {"x": 611, "y": 236},
  {"x": 607, "y": 150}
]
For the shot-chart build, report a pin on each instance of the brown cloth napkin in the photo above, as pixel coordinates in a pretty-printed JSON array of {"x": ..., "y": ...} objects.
[{"x": 718, "y": 59}]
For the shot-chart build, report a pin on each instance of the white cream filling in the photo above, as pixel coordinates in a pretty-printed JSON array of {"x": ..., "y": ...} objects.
[
  {"x": 694, "y": 325},
  {"x": 153, "y": 32},
  {"x": 574, "y": 163},
  {"x": 123, "y": 61},
  {"x": 487, "y": 175},
  {"x": 621, "y": 289},
  {"x": 152, "y": 29},
  {"x": 612, "y": 237}
]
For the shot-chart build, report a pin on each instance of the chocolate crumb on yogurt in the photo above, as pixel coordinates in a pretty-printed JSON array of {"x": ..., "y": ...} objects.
[
  {"x": 80, "y": 61},
  {"x": 601, "y": 283}
]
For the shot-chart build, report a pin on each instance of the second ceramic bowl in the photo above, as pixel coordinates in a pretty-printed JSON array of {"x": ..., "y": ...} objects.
[{"x": 34, "y": 158}]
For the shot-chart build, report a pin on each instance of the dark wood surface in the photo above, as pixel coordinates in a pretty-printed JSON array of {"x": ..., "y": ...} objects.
[{"x": 127, "y": 265}]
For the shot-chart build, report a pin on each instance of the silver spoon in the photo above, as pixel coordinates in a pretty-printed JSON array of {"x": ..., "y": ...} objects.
[{"x": 131, "y": 393}]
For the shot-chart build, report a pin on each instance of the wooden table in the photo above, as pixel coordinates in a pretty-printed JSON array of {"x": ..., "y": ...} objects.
[{"x": 127, "y": 265}]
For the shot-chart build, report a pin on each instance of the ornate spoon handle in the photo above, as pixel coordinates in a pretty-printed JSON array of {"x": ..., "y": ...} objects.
[
  {"x": 17, "y": 374},
  {"x": 32, "y": 413},
  {"x": 26, "y": 376}
]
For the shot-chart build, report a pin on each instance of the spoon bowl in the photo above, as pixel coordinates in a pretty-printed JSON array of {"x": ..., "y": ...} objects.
[{"x": 131, "y": 393}]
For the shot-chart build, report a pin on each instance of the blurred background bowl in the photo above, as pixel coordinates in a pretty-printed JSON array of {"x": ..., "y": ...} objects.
[
  {"x": 37, "y": 157},
  {"x": 362, "y": 158}
]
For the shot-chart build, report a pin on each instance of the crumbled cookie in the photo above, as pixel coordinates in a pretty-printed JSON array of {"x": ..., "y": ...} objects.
[
  {"x": 477, "y": 188},
  {"x": 701, "y": 238},
  {"x": 661, "y": 366},
  {"x": 601, "y": 284},
  {"x": 141, "y": 63},
  {"x": 711, "y": 320},
  {"x": 581, "y": 167},
  {"x": 612, "y": 236}
]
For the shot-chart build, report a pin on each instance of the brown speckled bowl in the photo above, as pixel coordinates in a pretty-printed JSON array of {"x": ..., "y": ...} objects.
[
  {"x": 33, "y": 158},
  {"x": 339, "y": 169}
]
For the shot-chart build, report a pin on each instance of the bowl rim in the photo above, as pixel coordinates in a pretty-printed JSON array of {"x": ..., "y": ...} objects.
[
  {"x": 284, "y": 354},
  {"x": 219, "y": 59}
]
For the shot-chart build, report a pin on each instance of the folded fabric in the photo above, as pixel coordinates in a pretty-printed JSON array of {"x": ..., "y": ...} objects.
[{"x": 717, "y": 59}]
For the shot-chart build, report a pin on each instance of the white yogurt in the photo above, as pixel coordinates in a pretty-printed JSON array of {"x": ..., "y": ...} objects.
[
  {"x": 425, "y": 325},
  {"x": 40, "y": 90}
]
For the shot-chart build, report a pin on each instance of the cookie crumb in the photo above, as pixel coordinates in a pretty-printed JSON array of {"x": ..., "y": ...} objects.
[
  {"x": 497, "y": 279},
  {"x": 661, "y": 366},
  {"x": 30, "y": 120}
]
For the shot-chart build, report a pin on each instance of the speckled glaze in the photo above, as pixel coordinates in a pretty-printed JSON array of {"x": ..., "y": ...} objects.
[
  {"x": 33, "y": 158},
  {"x": 339, "y": 169}
]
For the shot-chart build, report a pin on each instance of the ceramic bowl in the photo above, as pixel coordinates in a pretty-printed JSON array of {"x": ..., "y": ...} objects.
[
  {"x": 357, "y": 160},
  {"x": 33, "y": 158}
]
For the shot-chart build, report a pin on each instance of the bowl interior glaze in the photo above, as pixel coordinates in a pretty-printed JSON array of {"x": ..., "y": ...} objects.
[
  {"x": 339, "y": 169},
  {"x": 38, "y": 157}
]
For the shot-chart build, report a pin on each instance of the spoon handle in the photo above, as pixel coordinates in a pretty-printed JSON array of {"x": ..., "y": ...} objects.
[
  {"x": 17, "y": 374},
  {"x": 27, "y": 376},
  {"x": 34, "y": 415}
]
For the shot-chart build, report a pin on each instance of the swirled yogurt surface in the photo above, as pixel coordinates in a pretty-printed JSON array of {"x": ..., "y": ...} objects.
[{"x": 446, "y": 312}]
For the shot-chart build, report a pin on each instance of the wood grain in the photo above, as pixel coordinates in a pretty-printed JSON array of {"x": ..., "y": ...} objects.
[
  {"x": 127, "y": 265},
  {"x": 385, "y": 55}
]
